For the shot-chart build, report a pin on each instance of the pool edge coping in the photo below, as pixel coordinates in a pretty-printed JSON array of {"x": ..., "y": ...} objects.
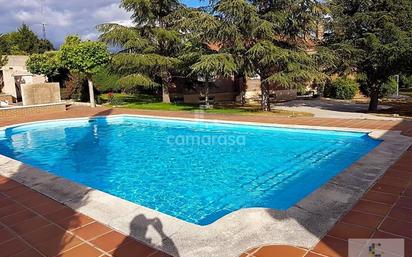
[
  {"x": 275, "y": 125},
  {"x": 236, "y": 224}
]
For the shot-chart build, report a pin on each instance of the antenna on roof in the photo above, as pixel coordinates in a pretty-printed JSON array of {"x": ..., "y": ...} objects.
[{"x": 43, "y": 24}]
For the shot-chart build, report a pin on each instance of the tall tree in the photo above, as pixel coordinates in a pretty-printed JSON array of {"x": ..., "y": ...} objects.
[
  {"x": 85, "y": 57},
  {"x": 280, "y": 52},
  {"x": 226, "y": 27},
  {"x": 149, "y": 49},
  {"x": 379, "y": 36},
  {"x": 235, "y": 35},
  {"x": 24, "y": 42},
  {"x": 264, "y": 38}
]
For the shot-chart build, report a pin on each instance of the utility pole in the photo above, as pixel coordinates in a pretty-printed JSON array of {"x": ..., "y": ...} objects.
[{"x": 42, "y": 18}]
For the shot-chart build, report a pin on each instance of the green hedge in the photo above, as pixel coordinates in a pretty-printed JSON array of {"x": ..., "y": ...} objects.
[{"x": 341, "y": 88}]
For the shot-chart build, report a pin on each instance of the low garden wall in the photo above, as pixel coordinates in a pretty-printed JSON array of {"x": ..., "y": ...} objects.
[
  {"x": 40, "y": 93},
  {"x": 21, "y": 111}
]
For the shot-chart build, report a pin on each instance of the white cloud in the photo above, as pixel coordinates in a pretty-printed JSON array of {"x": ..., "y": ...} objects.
[
  {"x": 62, "y": 17},
  {"x": 90, "y": 36},
  {"x": 21, "y": 3},
  {"x": 110, "y": 12}
]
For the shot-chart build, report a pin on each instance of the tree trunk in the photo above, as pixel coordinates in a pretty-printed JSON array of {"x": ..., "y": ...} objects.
[
  {"x": 207, "y": 93},
  {"x": 240, "y": 82},
  {"x": 166, "y": 81},
  {"x": 374, "y": 95},
  {"x": 91, "y": 93},
  {"x": 165, "y": 94},
  {"x": 265, "y": 101}
]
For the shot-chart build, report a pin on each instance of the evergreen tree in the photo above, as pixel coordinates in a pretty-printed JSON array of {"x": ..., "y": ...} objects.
[
  {"x": 24, "y": 42},
  {"x": 3, "y": 48},
  {"x": 149, "y": 49},
  {"x": 280, "y": 50},
  {"x": 377, "y": 36},
  {"x": 262, "y": 37}
]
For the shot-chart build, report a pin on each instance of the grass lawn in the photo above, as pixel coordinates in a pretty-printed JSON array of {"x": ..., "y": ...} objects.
[{"x": 147, "y": 102}]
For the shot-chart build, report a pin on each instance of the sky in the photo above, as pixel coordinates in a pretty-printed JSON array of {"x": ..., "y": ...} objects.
[{"x": 63, "y": 17}]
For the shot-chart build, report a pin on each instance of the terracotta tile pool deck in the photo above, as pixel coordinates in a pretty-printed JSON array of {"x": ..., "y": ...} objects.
[{"x": 32, "y": 224}]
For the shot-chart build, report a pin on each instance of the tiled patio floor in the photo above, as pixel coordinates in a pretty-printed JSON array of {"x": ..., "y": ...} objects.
[{"x": 33, "y": 225}]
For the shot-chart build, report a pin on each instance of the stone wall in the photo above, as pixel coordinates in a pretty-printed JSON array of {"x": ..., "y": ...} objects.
[
  {"x": 41, "y": 93},
  {"x": 21, "y": 111},
  {"x": 253, "y": 92}
]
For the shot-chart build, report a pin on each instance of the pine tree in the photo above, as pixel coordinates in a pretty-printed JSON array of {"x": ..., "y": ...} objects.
[
  {"x": 149, "y": 49},
  {"x": 376, "y": 36},
  {"x": 279, "y": 53},
  {"x": 23, "y": 42},
  {"x": 261, "y": 38}
]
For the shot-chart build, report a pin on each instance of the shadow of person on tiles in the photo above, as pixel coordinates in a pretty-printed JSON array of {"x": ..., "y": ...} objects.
[{"x": 139, "y": 228}]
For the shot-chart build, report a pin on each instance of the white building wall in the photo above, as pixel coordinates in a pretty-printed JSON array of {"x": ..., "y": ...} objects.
[
  {"x": 15, "y": 68},
  {"x": 9, "y": 83}
]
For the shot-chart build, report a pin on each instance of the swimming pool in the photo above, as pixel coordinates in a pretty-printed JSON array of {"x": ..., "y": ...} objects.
[{"x": 195, "y": 171}]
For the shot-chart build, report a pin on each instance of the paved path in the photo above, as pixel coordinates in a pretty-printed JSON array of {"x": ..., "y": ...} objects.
[
  {"x": 33, "y": 225},
  {"x": 331, "y": 109}
]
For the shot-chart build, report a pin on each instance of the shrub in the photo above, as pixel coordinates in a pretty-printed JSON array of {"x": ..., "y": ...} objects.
[
  {"x": 406, "y": 81},
  {"x": 76, "y": 87},
  {"x": 341, "y": 88},
  {"x": 386, "y": 89}
]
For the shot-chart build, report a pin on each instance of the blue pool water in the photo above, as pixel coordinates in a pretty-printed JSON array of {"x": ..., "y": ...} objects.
[{"x": 194, "y": 171}]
